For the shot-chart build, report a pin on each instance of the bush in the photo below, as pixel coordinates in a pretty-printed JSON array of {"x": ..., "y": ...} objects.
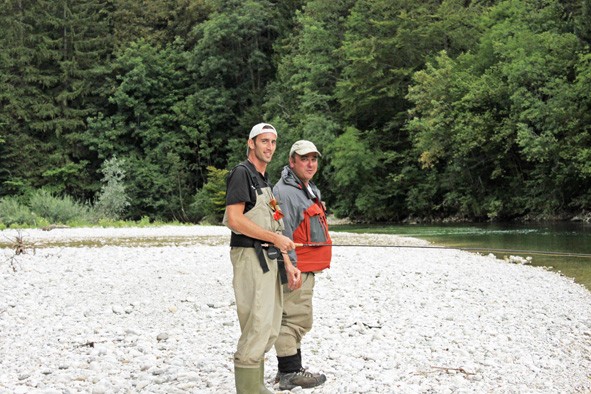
[
  {"x": 59, "y": 210},
  {"x": 12, "y": 212}
]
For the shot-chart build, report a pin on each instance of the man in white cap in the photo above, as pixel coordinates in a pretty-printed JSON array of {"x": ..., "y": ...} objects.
[
  {"x": 305, "y": 222},
  {"x": 253, "y": 215}
]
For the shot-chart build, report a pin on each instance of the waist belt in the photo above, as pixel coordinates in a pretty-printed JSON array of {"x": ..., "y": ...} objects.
[{"x": 242, "y": 241}]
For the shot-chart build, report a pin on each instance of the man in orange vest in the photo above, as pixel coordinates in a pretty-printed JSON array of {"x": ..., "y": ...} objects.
[{"x": 305, "y": 222}]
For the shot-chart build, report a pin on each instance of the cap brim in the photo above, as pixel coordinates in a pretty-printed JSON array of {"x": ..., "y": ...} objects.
[{"x": 304, "y": 152}]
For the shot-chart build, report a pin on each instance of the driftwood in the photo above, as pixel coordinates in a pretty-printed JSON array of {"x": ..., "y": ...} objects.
[{"x": 20, "y": 247}]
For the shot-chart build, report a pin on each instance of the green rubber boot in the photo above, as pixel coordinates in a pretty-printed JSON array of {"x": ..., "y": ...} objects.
[
  {"x": 247, "y": 380},
  {"x": 263, "y": 388}
]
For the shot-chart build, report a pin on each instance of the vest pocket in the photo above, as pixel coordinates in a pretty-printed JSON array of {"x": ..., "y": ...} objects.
[{"x": 318, "y": 230}]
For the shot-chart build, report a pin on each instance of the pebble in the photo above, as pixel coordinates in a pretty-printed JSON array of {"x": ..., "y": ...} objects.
[
  {"x": 162, "y": 336},
  {"x": 117, "y": 309}
]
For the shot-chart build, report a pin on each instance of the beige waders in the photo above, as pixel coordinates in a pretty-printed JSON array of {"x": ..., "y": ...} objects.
[{"x": 259, "y": 302}]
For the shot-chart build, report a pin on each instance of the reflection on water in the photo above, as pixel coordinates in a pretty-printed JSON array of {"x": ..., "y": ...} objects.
[{"x": 545, "y": 237}]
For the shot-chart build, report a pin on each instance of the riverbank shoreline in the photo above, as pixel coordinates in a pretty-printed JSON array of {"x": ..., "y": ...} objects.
[
  {"x": 579, "y": 217},
  {"x": 151, "y": 309}
]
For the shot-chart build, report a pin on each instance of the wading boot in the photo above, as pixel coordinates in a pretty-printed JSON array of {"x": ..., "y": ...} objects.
[
  {"x": 263, "y": 389},
  {"x": 302, "y": 378},
  {"x": 247, "y": 380}
]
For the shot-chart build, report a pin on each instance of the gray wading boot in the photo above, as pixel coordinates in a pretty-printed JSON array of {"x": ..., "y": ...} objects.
[{"x": 301, "y": 378}]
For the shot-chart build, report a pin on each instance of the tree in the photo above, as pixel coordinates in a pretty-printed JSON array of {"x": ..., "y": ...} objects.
[
  {"x": 146, "y": 130},
  {"x": 301, "y": 100},
  {"x": 232, "y": 64},
  {"x": 52, "y": 66},
  {"x": 493, "y": 124},
  {"x": 113, "y": 199},
  {"x": 385, "y": 43},
  {"x": 210, "y": 201},
  {"x": 158, "y": 22},
  {"x": 353, "y": 160}
]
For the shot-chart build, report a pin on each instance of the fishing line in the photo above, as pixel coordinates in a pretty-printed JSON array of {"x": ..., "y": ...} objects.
[{"x": 472, "y": 249}]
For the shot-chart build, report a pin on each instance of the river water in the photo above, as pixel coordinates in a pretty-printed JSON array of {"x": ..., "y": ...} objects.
[{"x": 561, "y": 237}]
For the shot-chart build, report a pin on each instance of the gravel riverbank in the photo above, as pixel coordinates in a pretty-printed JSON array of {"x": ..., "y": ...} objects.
[{"x": 151, "y": 310}]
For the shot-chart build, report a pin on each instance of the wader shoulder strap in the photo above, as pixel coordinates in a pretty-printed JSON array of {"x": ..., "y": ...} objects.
[{"x": 253, "y": 177}]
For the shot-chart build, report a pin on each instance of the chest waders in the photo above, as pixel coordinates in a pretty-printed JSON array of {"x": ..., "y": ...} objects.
[{"x": 249, "y": 379}]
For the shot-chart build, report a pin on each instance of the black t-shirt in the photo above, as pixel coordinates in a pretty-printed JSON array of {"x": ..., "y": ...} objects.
[{"x": 240, "y": 187}]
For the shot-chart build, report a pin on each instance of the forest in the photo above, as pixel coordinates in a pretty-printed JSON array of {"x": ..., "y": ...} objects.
[{"x": 424, "y": 110}]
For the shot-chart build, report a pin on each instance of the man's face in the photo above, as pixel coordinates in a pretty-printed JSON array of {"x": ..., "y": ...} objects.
[
  {"x": 305, "y": 166},
  {"x": 263, "y": 146}
]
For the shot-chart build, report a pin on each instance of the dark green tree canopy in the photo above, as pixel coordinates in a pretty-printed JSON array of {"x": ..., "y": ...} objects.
[{"x": 424, "y": 110}]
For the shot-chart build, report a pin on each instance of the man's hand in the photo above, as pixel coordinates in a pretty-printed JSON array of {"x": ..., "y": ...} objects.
[
  {"x": 283, "y": 243},
  {"x": 294, "y": 275}
]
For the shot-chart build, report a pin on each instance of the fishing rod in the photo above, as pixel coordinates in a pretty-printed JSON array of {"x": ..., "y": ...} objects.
[{"x": 473, "y": 249}]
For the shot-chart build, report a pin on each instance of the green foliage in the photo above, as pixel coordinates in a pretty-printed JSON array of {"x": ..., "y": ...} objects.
[
  {"x": 302, "y": 103},
  {"x": 66, "y": 178},
  {"x": 156, "y": 21},
  {"x": 210, "y": 201},
  {"x": 504, "y": 110},
  {"x": 59, "y": 210},
  {"x": 149, "y": 133},
  {"x": 582, "y": 20},
  {"x": 55, "y": 59},
  {"x": 476, "y": 110},
  {"x": 43, "y": 208},
  {"x": 386, "y": 42},
  {"x": 352, "y": 160},
  {"x": 12, "y": 212},
  {"x": 232, "y": 64}
]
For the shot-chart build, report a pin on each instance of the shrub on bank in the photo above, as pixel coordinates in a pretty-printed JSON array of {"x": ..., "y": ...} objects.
[
  {"x": 60, "y": 210},
  {"x": 42, "y": 209},
  {"x": 15, "y": 214}
]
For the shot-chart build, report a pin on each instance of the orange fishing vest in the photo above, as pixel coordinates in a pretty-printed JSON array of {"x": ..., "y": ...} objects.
[{"x": 313, "y": 258}]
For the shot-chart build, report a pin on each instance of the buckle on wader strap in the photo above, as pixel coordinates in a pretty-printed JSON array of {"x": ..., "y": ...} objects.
[{"x": 259, "y": 251}]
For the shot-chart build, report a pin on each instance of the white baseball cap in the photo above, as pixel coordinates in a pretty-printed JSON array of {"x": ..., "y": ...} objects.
[{"x": 260, "y": 129}]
